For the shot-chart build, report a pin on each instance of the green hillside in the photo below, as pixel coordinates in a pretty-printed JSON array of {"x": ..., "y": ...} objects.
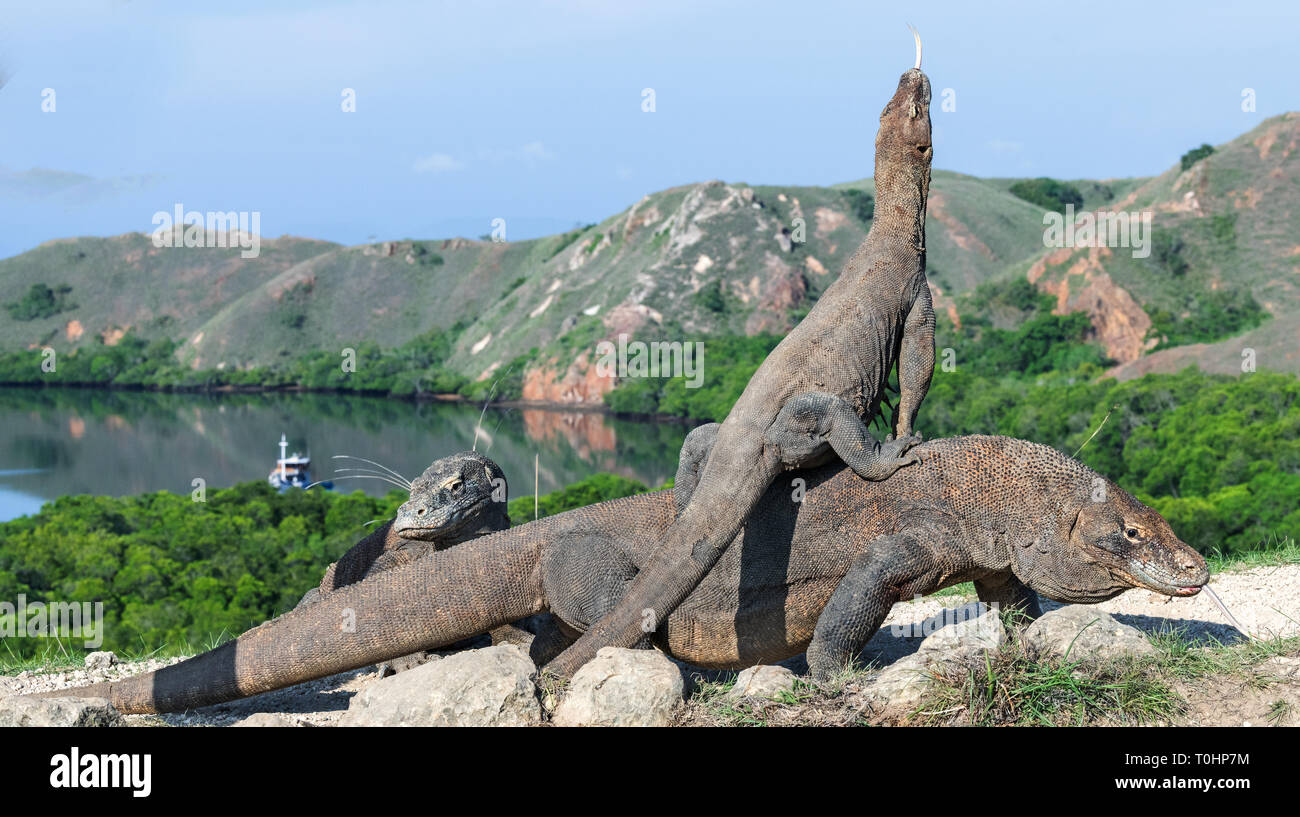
[
  {"x": 125, "y": 282},
  {"x": 711, "y": 260}
]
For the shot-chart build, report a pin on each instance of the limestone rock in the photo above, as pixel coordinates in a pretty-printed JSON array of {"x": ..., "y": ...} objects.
[
  {"x": 973, "y": 629},
  {"x": 101, "y": 660},
  {"x": 903, "y": 683},
  {"x": 20, "y": 711},
  {"x": 764, "y": 681},
  {"x": 487, "y": 687},
  {"x": 1086, "y": 633},
  {"x": 621, "y": 687}
]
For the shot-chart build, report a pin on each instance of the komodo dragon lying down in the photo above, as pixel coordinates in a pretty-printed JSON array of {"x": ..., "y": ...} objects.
[
  {"x": 458, "y": 498},
  {"x": 1014, "y": 517},
  {"x": 811, "y": 397}
]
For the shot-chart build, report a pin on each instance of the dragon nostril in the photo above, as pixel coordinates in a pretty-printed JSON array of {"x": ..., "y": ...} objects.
[{"x": 420, "y": 512}]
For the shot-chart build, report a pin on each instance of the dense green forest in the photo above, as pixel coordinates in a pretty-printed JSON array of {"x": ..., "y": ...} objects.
[
  {"x": 172, "y": 571},
  {"x": 412, "y": 369}
]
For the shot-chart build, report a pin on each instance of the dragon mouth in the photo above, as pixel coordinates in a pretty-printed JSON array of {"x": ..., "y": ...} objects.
[
  {"x": 1147, "y": 580},
  {"x": 447, "y": 522}
]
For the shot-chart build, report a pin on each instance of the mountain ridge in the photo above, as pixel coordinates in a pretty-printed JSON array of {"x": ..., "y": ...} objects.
[{"x": 698, "y": 260}]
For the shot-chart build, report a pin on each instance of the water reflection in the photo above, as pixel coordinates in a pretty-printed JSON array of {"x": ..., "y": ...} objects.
[{"x": 70, "y": 441}]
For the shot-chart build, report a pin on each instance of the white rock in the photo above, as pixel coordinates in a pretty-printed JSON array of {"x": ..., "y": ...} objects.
[
  {"x": 488, "y": 687},
  {"x": 101, "y": 660},
  {"x": 973, "y": 629},
  {"x": 903, "y": 683},
  {"x": 621, "y": 687},
  {"x": 1085, "y": 633},
  {"x": 21, "y": 711},
  {"x": 764, "y": 681}
]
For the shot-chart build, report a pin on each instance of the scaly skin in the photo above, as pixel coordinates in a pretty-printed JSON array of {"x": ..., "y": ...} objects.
[
  {"x": 458, "y": 498},
  {"x": 1016, "y": 518},
  {"x": 813, "y": 395}
]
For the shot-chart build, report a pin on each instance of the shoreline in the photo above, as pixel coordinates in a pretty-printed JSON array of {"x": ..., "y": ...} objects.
[{"x": 424, "y": 397}]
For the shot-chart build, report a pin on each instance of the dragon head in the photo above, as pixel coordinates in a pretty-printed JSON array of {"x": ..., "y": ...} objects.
[
  {"x": 456, "y": 494},
  {"x": 1101, "y": 549},
  {"x": 903, "y": 143},
  {"x": 1136, "y": 545}
]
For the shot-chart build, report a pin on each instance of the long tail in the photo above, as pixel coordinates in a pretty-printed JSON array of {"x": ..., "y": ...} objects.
[{"x": 431, "y": 602}]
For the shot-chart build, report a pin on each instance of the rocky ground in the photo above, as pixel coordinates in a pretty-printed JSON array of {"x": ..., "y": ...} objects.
[{"x": 1139, "y": 658}]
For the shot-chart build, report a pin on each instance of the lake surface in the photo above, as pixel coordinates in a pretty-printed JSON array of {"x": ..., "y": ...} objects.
[{"x": 89, "y": 441}]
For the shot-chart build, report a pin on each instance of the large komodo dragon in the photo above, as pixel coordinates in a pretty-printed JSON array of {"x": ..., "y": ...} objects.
[
  {"x": 815, "y": 391},
  {"x": 1016, "y": 518}
]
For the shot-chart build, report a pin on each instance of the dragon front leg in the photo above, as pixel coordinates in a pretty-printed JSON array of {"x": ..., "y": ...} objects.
[
  {"x": 894, "y": 567},
  {"x": 694, "y": 456},
  {"x": 811, "y": 422}
]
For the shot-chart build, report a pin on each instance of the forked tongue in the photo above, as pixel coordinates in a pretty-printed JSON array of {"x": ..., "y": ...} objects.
[{"x": 1231, "y": 618}]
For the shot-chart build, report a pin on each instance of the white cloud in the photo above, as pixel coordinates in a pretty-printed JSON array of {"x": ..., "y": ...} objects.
[
  {"x": 444, "y": 162},
  {"x": 438, "y": 163},
  {"x": 44, "y": 183}
]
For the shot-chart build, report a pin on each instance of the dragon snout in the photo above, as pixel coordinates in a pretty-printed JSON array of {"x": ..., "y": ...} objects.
[
  {"x": 416, "y": 520},
  {"x": 1183, "y": 575},
  {"x": 1193, "y": 572}
]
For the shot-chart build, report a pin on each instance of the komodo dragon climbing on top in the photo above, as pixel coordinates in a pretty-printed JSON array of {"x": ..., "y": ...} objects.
[
  {"x": 811, "y": 397},
  {"x": 1014, "y": 517}
]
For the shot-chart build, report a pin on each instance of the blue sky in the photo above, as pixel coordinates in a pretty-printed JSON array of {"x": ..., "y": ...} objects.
[{"x": 532, "y": 111}]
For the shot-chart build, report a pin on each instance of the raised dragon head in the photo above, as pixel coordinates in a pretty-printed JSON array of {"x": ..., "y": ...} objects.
[
  {"x": 456, "y": 494},
  {"x": 903, "y": 143}
]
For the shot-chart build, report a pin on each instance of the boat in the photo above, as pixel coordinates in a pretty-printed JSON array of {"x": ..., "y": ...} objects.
[{"x": 293, "y": 471}]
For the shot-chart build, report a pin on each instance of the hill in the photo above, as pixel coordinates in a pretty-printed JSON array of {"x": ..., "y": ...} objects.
[{"x": 705, "y": 260}]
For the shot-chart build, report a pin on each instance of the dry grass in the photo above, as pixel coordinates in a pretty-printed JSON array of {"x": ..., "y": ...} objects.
[{"x": 1017, "y": 687}]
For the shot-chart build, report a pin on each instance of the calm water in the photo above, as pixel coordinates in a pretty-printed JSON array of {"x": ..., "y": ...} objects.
[{"x": 74, "y": 441}]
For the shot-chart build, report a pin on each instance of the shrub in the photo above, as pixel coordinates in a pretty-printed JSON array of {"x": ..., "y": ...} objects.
[
  {"x": 861, "y": 204},
  {"x": 1195, "y": 155},
  {"x": 1048, "y": 193},
  {"x": 41, "y": 302}
]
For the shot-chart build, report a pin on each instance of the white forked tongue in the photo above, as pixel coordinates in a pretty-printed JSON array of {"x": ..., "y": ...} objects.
[{"x": 1231, "y": 618}]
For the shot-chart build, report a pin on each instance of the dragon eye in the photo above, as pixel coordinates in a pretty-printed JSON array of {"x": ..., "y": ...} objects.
[
  {"x": 456, "y": 486},
  {"x": 1131, "y": 533}
]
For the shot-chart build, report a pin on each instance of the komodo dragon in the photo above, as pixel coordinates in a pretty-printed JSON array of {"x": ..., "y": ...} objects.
[
  {"x": 1014, "y": 517},
  {"x": 813, "y": 394},
  {"x": 458, "y": 498}
]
